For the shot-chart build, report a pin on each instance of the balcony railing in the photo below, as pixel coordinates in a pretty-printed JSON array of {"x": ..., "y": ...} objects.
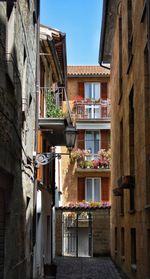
[
  {"x": 85, "y": 159},
  {"x": 91, "y": 109},
  {"x": 51, "y": 103}
]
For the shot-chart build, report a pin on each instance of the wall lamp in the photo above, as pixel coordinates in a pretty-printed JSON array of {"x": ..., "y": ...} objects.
[{"x": 46, "y": 158}]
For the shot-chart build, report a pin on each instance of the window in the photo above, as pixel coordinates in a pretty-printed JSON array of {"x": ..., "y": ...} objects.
[
  {"x": 116, "y": 239},
  {"x": 93, "y": 189},
  {"x": 121, "y": 166},
  {"x": 131, "y": 147},
  {"x": 121, "y": 148},
  {"x": 133, "y": 247},
  {"x": 122, "y": 243},
  {"x": 92, "y": 142},
  {"x": 92, "y": 92}
]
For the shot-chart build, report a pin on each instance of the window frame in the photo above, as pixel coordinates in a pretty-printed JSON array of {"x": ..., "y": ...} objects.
[
  {"x": 94, "y": 155},
  {"x": 100, "y": 188},
  {"x": 92, "y": 85}
]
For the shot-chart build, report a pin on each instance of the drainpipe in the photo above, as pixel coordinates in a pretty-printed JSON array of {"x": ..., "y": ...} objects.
[
  {"x": 102, "y": 65},
  {"x": 101, "y": 50}
]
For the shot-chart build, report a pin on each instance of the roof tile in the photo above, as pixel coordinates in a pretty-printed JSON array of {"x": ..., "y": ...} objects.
[{"x": 87, "y": 71}]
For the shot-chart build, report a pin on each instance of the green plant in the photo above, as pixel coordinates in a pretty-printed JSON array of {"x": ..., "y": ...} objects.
[
  {"x": 81, "y": 164},
  {"x": 51, "y": 109},
  {"x": 88, "y": 164}
]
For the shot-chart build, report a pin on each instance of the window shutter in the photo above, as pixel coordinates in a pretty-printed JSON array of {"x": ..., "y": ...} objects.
[
  {"x": 80, "y": 139},
  {"x": 81, "y": 188},
  {"x": 81, "y": 89},
  {"x": 104, "y": 90},
  {"x": 105, "y": 188},
  {"x": 104, "y": 139},
  {"x": 39, "y": 172}
]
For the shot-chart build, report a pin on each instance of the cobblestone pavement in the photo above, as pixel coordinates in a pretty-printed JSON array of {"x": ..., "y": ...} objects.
[{"x": 86, "y": 268}]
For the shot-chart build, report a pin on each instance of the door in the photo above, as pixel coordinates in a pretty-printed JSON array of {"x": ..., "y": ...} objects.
[{"x": 77, "y": 234}]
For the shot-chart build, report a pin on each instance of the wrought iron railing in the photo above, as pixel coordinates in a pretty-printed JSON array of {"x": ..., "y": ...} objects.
[{"x": 92, "y": 109}]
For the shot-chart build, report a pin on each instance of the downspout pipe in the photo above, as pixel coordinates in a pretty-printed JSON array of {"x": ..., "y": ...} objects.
[{"x": 102, "y": 37}]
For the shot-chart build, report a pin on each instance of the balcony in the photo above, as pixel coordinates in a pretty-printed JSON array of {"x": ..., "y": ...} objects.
[
  {"x": 91, "y": 109},
  {"x": 54, "y": 116},
  {"x": 88, "y": 162}
]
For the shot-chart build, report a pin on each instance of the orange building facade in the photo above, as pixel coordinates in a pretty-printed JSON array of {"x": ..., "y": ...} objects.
[{"x": 86, "y": 176}]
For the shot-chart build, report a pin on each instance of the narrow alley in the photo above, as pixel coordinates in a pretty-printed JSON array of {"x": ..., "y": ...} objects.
[{"x": 87, "y": 268}]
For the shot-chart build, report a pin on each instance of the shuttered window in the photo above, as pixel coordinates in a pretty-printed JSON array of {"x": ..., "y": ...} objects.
[
  {"x": 92, "y": 143},
  {"x": 93, "y": 189},
  {"x": 92, "y": 90},
  {"x": 104, "y": 94},
  {"x": 80, "y": 139},
  {"x": 105, "y": 138},
  {"x": 81, "y": 89},
  {"x": 81, "y": 188},
  {"x": 105, "y": 188}
]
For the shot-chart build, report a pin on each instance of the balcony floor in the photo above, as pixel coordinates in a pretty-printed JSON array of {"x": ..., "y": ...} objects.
[{"x": 54, "y": 130}]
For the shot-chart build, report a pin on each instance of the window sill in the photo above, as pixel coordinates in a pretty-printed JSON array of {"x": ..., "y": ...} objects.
[
  {"x": 132, "y": 211},
  {"x": 133, "y": 267}
]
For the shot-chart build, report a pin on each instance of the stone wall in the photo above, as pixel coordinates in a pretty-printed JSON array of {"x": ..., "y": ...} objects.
[{"x": 18, "y": 47}]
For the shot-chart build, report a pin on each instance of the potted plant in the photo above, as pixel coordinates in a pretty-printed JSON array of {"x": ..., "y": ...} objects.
[
  {"x": 78, "y": 154},
  {"x": 96, "y": 163},
  {"x": 104, "y": 158},
  {"x": 81, "y": 164},
  {"x": 88, "y": 164}
]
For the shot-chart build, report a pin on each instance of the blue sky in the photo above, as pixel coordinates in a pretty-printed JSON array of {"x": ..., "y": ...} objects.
[{"x": 81, "y": 21}]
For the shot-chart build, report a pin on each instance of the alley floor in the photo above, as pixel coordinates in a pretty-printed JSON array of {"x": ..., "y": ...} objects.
[{"x": 87, "y": 268}]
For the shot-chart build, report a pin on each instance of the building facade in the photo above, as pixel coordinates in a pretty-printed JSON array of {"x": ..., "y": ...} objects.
[
  {"x": 85, "y": 176},
  {"x": 18, "y": 62},
  {"x": 52, "y": 124},
  {"x": 90, "y": 107},
  {"x": 125, "y": 41}
]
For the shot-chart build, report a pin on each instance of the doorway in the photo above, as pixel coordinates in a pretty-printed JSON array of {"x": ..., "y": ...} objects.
[{"x": 77, "y": 234}]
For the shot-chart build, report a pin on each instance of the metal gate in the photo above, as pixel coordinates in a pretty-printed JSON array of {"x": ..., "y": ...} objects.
[{"x": 77, "y": 234}]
